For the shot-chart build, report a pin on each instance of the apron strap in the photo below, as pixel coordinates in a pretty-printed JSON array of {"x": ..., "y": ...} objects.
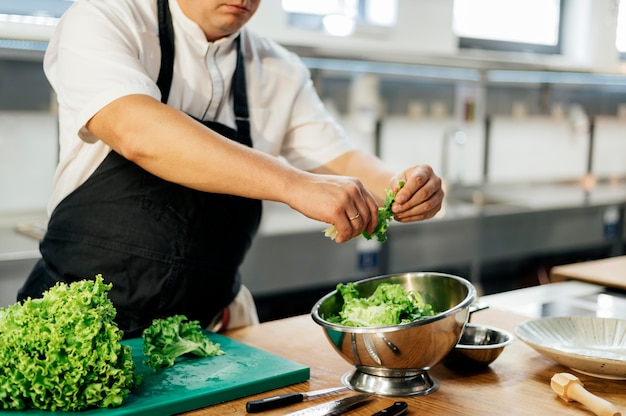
[
  {"x": 164, "y": 82},
  {"x": 166, "y": 40},
  {"x": 242, "y": 116}
]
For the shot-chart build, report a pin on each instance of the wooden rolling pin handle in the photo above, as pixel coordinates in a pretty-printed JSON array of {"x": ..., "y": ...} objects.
[
  {"x": 594, "y": 403},
  {"x": 569, "y": 388}
]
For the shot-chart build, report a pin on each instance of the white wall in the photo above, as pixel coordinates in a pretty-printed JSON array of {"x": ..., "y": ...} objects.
[
  {"x": 609, "y": 148},
  {"x": 407, "y": 142},
  {"x": 536, "y": 149}
]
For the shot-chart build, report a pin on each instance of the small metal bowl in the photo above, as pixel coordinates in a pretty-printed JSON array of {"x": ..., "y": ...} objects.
[{"x": 478, "y": 347}]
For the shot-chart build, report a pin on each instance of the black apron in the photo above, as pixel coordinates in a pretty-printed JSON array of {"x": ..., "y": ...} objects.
[{"x": 166, "y": 248}]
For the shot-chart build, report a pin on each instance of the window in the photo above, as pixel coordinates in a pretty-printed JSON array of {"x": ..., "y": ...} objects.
[
  {"x": 340, "y": 17},
  {"x": 28, "y": 24},
  {"x": 509, "y": 25},
  {"x": 45, "y": 12}
]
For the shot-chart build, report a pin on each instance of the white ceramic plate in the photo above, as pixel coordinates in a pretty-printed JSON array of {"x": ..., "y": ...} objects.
[{"x": 587, "y": 344}]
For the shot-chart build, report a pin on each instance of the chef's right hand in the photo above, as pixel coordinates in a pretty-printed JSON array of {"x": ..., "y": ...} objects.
[{"x": 341, "y": 201}]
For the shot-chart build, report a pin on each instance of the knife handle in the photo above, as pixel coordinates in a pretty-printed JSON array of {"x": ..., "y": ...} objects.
[
  {"x": 255, "y": 406},
  {"x": 396, "y": 409}
]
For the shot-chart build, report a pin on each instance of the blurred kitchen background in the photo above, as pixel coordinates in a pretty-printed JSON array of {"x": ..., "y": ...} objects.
[{"x": 520, "y": 105}]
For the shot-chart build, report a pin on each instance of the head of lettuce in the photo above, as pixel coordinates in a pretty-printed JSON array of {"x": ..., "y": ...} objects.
[{"x": 63, "y": 352}]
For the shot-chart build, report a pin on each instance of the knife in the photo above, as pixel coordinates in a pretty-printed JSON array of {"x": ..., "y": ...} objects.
[
  {"x": 280, "y": 400},
  {"x": 334, "y": 408},
  {"x": 396, "y": 409}
]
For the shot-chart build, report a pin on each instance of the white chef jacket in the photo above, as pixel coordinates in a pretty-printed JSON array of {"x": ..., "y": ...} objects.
[{"x": 102, "y": 50}]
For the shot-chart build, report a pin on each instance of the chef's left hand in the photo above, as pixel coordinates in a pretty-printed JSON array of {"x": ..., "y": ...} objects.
[{"x": 420, "y": 198}]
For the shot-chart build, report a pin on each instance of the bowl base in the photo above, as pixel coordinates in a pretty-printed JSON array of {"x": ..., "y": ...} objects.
[{"x": 414, "y": 385}]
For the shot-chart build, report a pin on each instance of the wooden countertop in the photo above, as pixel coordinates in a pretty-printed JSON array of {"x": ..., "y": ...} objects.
[
  {"x": 610, "y": 272},
  {"x": 517, "y": 383}
]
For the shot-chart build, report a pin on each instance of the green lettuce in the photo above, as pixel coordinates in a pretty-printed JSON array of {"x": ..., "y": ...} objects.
[
  {"x": 385, "y": 215},
  {"x": 63, "y": 351},
  {"x": 390, "y": 304},
  {"x": 168, "y": 338}
]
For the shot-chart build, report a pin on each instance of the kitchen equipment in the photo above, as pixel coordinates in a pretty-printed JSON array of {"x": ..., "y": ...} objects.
[
  {"x": 517, "y": 386},
  {"x": 200, "y": 381},
  {"x": 478, "y": 347},
  {"x": 394, "y": 360},
  {"x": 588, "y": 344},
  {"x": 335, "y": 407},
  {"x": 273, "y": 402},
  {"x": 569, "y": 388},
  {"x": 396, "y": 409}
]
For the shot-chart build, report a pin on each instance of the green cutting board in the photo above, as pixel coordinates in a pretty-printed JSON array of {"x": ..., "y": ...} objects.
[{"x": 193, "y": 383}]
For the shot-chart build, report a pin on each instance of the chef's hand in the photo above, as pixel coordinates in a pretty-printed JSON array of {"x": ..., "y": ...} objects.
[
  {"x": 420, "y": 198},
  {"x": 341, "y": 201}
]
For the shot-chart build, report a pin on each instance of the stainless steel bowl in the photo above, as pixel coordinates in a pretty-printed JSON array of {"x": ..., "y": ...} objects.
[
  {"x": 394, "y": 360},
  {"x": 478, "y": 347}
]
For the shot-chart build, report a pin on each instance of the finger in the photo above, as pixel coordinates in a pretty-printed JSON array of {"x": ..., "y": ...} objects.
[
  {"x": 429, "y": 191},
  {"x": 348, "y": 225},
  {"x": 360, "y": 217},
  {"x": 359, "y": 220},
  {"x": 415, "y": 180},
  {"x": 362, "y": 213},
  {"x": 422, "y": 206},
  {"x": 423, "y": 210},
  {"x": 368, "y": 209},
  {"x": 355, "y": 217},
  {"x": 354, "y": 220},
  {"x": 372, "y": 207}
]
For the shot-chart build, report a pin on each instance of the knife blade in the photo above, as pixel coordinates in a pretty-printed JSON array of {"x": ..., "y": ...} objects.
[
  {"x": 396, "y": 409},
  {"x": 280, "y": 400},
  {"x": 334, "y": 408}
]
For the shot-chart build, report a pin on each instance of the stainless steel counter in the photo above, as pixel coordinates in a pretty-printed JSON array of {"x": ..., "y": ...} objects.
[{"x": 476, "y": 226}]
